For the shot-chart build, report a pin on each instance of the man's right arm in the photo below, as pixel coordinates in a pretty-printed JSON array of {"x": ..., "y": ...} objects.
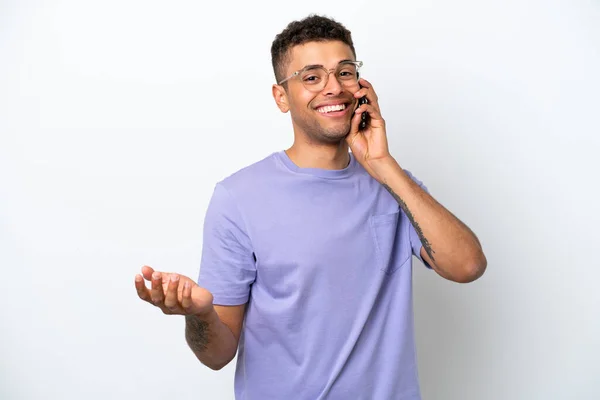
[
  {"x": 214, "y": 336},
  {"x": 211, "y": 331}
]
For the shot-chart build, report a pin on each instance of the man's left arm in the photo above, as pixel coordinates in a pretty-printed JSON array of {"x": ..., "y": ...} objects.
[{"x": 449, "y": 246}]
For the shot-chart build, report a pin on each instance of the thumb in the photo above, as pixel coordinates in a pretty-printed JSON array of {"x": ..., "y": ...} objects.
[{"x": 201, "y": 300}]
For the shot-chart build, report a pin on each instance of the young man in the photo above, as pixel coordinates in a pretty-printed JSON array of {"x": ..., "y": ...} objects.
[{"x": 307, "y": 255}]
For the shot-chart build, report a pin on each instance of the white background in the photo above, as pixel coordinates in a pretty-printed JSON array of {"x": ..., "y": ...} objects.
[{"x": 118, "y": 117}]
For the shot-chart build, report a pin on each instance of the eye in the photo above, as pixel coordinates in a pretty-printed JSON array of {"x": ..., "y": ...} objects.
[
  {"x": 311, "y": 78},
  {"x": 347, "y": 73}
]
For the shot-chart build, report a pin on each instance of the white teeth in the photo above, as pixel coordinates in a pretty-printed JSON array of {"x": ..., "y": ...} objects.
[{"x": 327, "y": 109}]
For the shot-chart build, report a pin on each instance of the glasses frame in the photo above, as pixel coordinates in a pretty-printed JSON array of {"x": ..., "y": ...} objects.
[{"x": 358, "y": 65}]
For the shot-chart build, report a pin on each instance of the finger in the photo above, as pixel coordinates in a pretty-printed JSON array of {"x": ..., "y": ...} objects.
[
  {"x": 371, "y": 95},
  {"x": 171, "y": 297},
  {"x": 186, "y": 296},
  {"x": 361, "y": 93},
  {"x": 373, "y": 112},
  {"x": 156, "y": 293},
  {"x": 147, "y": 272},
  {"x": 370, "y": 100},
  {"x": 365, "y": 83},
  {"x": 141, "y": 288}
]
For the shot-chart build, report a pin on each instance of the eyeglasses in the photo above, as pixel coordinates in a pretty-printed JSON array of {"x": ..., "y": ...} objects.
[{"x": 316, "y": 77}]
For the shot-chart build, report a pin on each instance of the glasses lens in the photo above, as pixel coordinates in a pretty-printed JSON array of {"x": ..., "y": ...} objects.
[
  {"x": 347, "y": 74},
  {"x": 314, "y": 78}
]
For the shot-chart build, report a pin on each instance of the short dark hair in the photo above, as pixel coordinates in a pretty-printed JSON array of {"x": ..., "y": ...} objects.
[{"x": 314, "y": 28}]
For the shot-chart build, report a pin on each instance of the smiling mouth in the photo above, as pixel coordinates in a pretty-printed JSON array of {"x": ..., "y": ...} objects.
[{"x": 332, "y": 109}]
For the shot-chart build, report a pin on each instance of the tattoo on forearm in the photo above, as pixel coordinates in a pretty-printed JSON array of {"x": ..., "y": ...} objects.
[
  {"x": 424, "y": 241},
  {"x": 196, "y": 333}
]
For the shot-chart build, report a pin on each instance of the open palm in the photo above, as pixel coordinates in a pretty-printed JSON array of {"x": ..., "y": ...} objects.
[{"x": 173, "y": 293}]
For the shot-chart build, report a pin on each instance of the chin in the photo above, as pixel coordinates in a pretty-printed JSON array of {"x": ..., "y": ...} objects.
[
  {"x": 337, "y": 133},
  {"x": 325, "y": 133}
]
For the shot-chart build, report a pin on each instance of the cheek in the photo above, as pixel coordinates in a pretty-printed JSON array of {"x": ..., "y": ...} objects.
[{"x": 302, "y": 100}]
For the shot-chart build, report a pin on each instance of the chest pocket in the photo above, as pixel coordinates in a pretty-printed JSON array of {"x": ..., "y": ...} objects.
[{"x": 392, "y": 247}]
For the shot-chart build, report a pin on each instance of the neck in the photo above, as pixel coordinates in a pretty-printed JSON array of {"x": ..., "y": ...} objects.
[{"x": 332, "y": 157}]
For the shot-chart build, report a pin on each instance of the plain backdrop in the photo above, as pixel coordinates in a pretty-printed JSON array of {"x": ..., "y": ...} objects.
[{"x": 118, "y": 117}]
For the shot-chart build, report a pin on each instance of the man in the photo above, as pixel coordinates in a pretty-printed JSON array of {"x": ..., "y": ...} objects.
[{"x": 307, "y": 257}]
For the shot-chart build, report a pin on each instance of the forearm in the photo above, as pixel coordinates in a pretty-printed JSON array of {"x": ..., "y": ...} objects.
[
  {"x": 452, "y": 247},
  {"x": 211, "y": 340}
]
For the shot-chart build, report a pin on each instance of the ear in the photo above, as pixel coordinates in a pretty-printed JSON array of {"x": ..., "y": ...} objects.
[{"x": 280, "y": 97}]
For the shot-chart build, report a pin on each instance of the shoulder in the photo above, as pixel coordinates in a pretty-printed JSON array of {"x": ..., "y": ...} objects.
[
  {"x": 248, "y": 178},
  {"x": 232, "y": 194}
]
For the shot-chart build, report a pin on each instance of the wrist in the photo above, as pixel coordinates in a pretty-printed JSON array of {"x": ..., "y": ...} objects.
[
  {"x": 384, "y": 167},
  {"x": 209, "y": 315}
]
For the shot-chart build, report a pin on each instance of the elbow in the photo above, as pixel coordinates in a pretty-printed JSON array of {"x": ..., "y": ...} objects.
[
  {"x": 474, "y": 269},
  {"x": 216, "y": 366},
  {"x": 468, "y": 270}
]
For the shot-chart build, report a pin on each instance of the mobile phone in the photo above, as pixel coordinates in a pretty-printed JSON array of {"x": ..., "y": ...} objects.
[{"x": 364, "y": 118}]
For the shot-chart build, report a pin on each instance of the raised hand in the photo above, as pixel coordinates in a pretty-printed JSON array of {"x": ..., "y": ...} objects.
[
  {"x": 370, "y": 144},
  {"x": 173, "y": 293}
]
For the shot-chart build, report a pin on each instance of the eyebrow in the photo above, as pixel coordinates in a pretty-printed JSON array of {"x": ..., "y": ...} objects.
[{"x": 321, "y": 65}]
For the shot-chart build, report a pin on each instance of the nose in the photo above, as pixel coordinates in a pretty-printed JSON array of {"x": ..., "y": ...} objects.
[{"x": 333, "y": 86}]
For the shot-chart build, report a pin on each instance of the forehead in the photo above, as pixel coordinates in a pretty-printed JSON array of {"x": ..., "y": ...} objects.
[{"x": 328, "y": 54}]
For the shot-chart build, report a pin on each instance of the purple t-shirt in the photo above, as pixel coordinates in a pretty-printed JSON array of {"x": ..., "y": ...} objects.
[{"x": 324, "y": 260}]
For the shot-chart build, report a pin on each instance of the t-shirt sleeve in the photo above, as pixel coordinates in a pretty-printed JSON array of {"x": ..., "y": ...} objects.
[
  {"x": 415, "y": 241},
  {"x": 227, "y": 267}
]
